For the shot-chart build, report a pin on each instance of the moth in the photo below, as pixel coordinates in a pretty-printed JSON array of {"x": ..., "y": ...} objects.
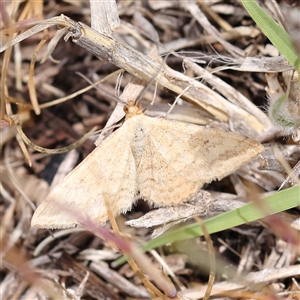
[{"x": 156, "y": 159}]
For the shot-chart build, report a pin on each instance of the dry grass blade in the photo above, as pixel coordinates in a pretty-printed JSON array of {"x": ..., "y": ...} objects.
[
  {"x": 212, "y": 259},
  {"x": 31, "y": 85}
]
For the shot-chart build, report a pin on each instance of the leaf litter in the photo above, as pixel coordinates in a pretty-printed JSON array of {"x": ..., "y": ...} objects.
[{"x": 252, "y": 248}]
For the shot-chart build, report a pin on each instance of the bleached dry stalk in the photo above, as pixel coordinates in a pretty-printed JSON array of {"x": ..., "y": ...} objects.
[{"x": 138, "y": 64}]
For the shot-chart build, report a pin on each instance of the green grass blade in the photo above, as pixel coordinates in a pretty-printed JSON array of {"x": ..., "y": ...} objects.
[
  {"x": 274, "y": 32},
  {"x": 252, "y": 211}
]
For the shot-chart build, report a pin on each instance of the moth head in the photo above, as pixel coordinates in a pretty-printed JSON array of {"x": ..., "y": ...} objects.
[{"x": 132, "y": 109}]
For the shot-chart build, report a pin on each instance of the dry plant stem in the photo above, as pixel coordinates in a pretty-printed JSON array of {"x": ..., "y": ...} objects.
[
  {"x": 253, "y": 279},
  {"x": 104, "y": 16},
  {"x": 212, "y": 258},
  {"x": 195, "y": 11},
  {"x": 146, "y": 27},
  {"x": 46, "y": 150},
  {"x": 255, "y": 64},
  {"x": 111, "y": 215},
  {"x": 71, "y": 96},
  {"x": 230, "y": 93},
  {"x": 285, "y": 165},
  {"x": 116, "y": 52},
  {"x": 18, "y": 66},
  {"x": 229, "y": 248},
  {"x": 68, "y": 295},
  {"x": 3, "y": 87},
  {"x": 66, "y": 166},
  {"x": 103, "y": 270},
  {"x": 18, "y": 293},
  {"x": 7, "y": 21},
  {"x": 26, "y": 13},
  {"x": 5, "y": 194},
  {"x": 13, "y": 179},
  {"x": 225, "y": 25},
  {"x": 176, "y": 100},
  {"x": 24, "y": 149},
  {"x": 39, "y": 248},
  {"x": 14, "y": 236},
  {"x": 4, "y": 228},
  {"x": 247, "y": 295},
  {"x": 95, "y": 286},
  {"x": 157, "y": 277},
  {"x": 133, "y": 32},
  {"x": 32, "y": 8},
  {"x": 150, "y": 287},
  {"x": 31, "y": 85},
  {"x": 53, "y": 43},
  {"x": 233, "y": 34},
  {"x": 82, "y": 285},
  {"x": 167, "y": 269}
]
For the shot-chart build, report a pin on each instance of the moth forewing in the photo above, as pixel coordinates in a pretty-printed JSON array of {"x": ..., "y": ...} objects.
[
  {"x": 165, "y": 161},
  {"x": 81, "y": 190},
  {"x": 179, "y": 158}
]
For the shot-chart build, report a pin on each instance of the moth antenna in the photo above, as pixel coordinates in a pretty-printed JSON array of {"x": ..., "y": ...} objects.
[
  {"x": 151, "y": 81},
  {"x": 156, "y": 84},
  {"x": 176, "y": 100}
]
